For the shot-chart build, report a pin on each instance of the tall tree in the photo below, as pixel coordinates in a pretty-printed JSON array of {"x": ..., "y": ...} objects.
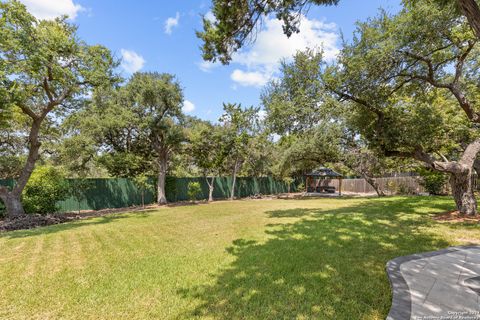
[
  {"x": 45, "y": 68},
  {"x": 313, "y": 126},
  {"x": 295, "y": 101},
  {"x": 158, "y": 99},
  {"x": 168, "y": 139},
  {"x": 137, "y": 126},
  {"x": 260, "y": 156},
  {"x": 209, "y": 146},
  {"x": 409, "y": 83},
  {"x": 241, "y": 126}
]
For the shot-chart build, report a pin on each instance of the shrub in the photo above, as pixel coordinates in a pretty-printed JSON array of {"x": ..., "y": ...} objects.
[
  {"x": 301, "y": 187},
  {"x": 392, "y": 187},
  {"x": 46, "y": 187},
  {"x": 405, "y": 189},
  {"x": 194, "y": 191},
  {"x": 433, "y": 181}
]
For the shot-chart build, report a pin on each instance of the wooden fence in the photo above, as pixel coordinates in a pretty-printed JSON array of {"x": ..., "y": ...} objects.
[{"x": 390, "y": 185}]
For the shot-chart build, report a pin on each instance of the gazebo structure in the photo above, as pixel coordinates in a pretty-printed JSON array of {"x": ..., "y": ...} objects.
[{"x": 317, "y": 181}]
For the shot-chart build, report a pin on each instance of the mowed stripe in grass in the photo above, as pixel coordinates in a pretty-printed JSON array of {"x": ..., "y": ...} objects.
[{"x": 267, "y": 259}]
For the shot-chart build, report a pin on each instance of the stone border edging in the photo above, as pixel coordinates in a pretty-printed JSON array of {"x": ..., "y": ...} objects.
[{"x": 401, "y": 301}]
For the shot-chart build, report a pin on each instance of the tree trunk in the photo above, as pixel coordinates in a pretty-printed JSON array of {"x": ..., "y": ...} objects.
[
  {"x": 162, "y": 174},
  {"x": 235, "y": 168},
  {"x": 371, "y": 181},
  {"x": 460, "y": 174},
  {"x": 210, "y": 193},
  {"x": 13, "y": 205},
  {"x": 462, "y": 191},
  {"x": 11, "y": 198},
  {"x": 210, "y": 188},
  {"x": 471, "y": 10}
]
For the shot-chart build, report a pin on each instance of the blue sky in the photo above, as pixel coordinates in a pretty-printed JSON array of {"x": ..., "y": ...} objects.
[{"x": 160, "y": 36}]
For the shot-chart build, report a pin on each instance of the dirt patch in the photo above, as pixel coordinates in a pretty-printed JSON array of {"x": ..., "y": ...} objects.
[{"x": 455, "y": 216}]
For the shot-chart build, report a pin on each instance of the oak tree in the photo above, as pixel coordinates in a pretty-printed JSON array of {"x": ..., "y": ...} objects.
[
  {"x": 409, "y": 83},
  {"x": 45, "y": 68}
]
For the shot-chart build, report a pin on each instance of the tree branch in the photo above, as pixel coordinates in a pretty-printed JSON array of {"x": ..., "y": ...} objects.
[
  {"x": 29, "y": 112},
  {"x": 470, "y": 153},
  {"x": 461, "y": 61},
  {"x": 420, "y": 155},
  {"x": 46, "y": 87},
  {"x": 453, "y": 87}
]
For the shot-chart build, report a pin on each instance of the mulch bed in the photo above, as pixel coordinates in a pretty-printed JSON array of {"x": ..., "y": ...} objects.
[
  {"x": 455, "y": 216},
  {"x": 31, "y": 221}
]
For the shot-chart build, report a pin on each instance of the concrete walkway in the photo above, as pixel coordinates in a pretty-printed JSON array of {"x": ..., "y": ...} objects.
[{"x": 435, "y": 285}]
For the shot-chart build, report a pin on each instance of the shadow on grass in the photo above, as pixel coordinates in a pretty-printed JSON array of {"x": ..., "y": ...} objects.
[
  {"x": 329, "y": 264},
  {"x": 74, "y": 224}
]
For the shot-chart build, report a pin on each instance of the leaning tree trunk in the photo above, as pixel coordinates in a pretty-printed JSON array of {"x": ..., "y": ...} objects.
[
  {"x": 371, "y": 181},
  {"x": 162, "y": 174},
  {"x": 471, "y": 10},
  {"x": 462, "y": 191},
  {"x": 12, "y": 198},
  {"x": 461, "y": 172}
]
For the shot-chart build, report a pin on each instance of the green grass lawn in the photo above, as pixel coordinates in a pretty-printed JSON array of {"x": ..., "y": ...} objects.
[{"x": 267, "y": 259}]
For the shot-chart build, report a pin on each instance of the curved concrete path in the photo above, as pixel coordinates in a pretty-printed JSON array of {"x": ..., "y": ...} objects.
[{"x": 442, "y": 285}]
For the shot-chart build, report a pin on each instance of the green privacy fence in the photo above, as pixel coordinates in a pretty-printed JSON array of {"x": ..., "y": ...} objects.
[
  {"x": 97, "y": 194},
  {"x": 177, "y": 188}
]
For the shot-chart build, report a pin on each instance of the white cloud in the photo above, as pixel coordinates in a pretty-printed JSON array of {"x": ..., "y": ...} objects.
[
  {"x": 171, "y": 22},
  {"x": 131, "y": 61},
  {"x": 50, "y": 9},
  {"x": 210, "y": 16},
  {"x": 252, "y": 78},
  {"x": 207, "y": 66},
  {"x": 271, "y": 45},
  {"x": 188, "y": 106}
]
